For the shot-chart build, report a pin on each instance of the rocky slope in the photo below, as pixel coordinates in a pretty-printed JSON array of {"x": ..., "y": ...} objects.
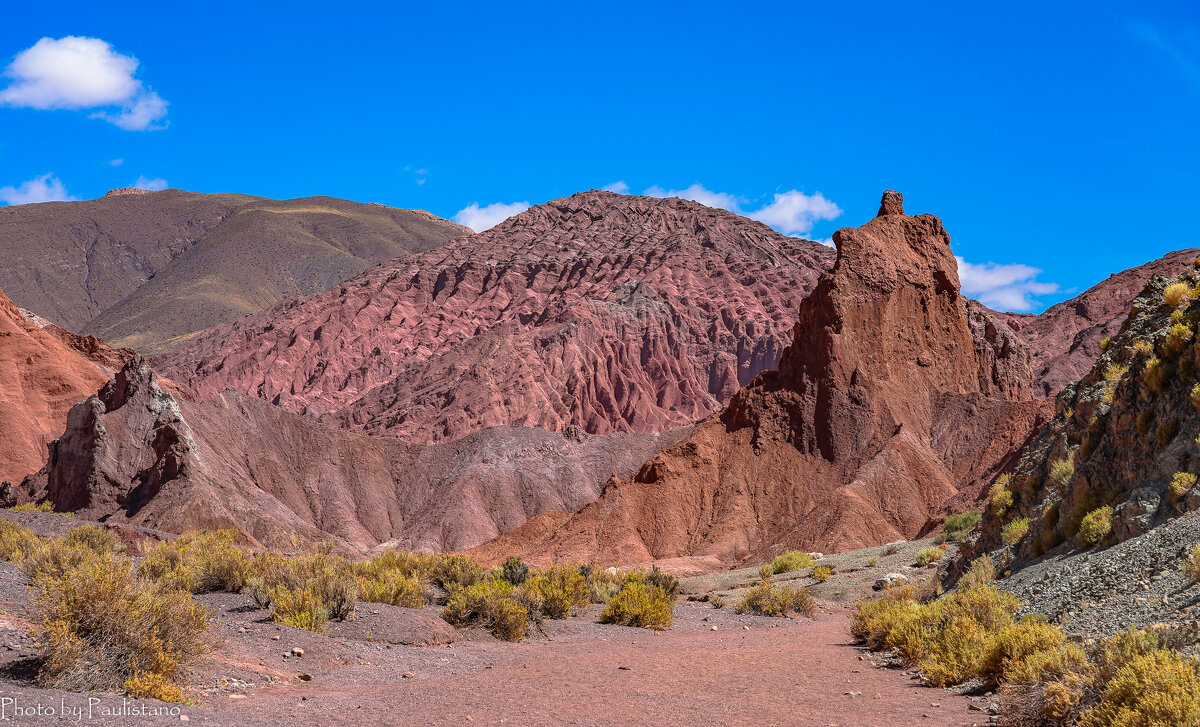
[
  {"x": 141, "y": 453},
  {"x": 896, "y": 390},
  {"x": 43, "y": 372},
  {"x": 1065, "y": 338},
  {"x": 149, "y": 270},
  {"x": 1097, "y": 515},
  {"x": 604, "y": 311}
]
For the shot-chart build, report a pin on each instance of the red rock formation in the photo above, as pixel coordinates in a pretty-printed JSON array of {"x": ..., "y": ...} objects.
[
  {"x": 896, "y": 390},
  {"x": 608, "y": 312},
  {"x": 43, "y": 372},
  {"x": 139, "y": 453}
]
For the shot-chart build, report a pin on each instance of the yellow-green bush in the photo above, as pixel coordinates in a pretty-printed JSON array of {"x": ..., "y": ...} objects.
[
  {"x": 1096, "y": 525},
  {"x": 981, "y": 573},
  {"x": 792, "y": 560},
  {"x": 454, "y": 570},
  {"x": 44, "y": 506},
  {"x": 1155, "y": 374},
  {"x": 1000, "y": 498},
  {"x": 1179, "y": 335},
  {"x": 1013, "y": 532},
  {"x": 556, "y": 591},
  {"x": 200, "y": 562},
  {"x": 96, "y": 538},
  {"x": 16, "y": 542},
  {"x": 1181, "y": 483},
  {"x": 640, "y": 604},
  {"x": 1159, "y": 688},
  {"x": 489, "y": 604},
  {"x": 770, "y": 599},
  {"x": 821, "y": 573},
  {"x": 105, "y": 629},
  {"x": 1061, "y": 472},
  {"x": 393, "y": 588},
  {"x": 956, "y": 526},
  {"x": 300, "y": 607},
  {"x": 1104, "y": 343},
  {"x": 926, "y": 556},
  {"x": 329, "y": 577}
]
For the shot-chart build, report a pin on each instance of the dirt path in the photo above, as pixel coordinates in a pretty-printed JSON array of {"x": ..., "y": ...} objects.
[{"x": 798, "y": 673}]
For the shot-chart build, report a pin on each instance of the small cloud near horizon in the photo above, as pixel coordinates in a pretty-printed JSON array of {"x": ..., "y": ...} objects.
[
  {"x": 77, "y": 73},
  {"x": 154, "y": 185},
  {"x": 46, "y": 188},
  {"x": 1005, "y": 287},
  {"x": 484, "y": 218}
]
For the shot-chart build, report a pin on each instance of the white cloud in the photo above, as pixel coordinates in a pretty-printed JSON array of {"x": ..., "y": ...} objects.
[
  {"x": 83, "y": 73},
  {"x": 1009, "y": 287},
  {"x": 154, "y": 185},
  {"x": 795, "y": 213},
  {"x": 792, "y": 212},
  {"x": 483, "y": 218},
  {"x": 46, "y": 188},
  {"x": 116, "y": 162},
  {"x": 698, "y": 193},
  {"x": 619, "y": 187}
]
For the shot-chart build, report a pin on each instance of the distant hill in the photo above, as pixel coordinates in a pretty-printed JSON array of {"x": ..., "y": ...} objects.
[{"x": 148, "y": 270}]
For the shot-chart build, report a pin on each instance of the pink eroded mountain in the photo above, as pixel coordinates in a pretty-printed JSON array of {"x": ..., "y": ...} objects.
[{"x": 608, "y": 312}]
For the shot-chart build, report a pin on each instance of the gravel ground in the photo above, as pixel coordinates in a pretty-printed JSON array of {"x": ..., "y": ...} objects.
[{"x": 1097, "y": 593}]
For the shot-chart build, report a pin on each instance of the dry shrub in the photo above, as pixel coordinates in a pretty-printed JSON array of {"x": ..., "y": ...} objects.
[
  {"x": 105, "y": 629},
  {"x": 791, "y": 561},
  {"x": 926, "y": 556},
  {"x": 1158, "y": 688},
  {"x": 556, "y": 591},
  {"x": 299, "y": 607},
  {"x": 1000, "y": 498},
  {"x": 1013, "y": 532},
  {"x": 329, "y": 578},
  {"x": 393, "y": 588},
  {"x": 1096, "y": 525},
  {"x": 1191, "y": 566},
  {"x": 449, "y": 571},
  {"x": 981, "y": 573},
  {"x": 489, "y": 604},
  {"x": 1178, "y": 293},
  {"x": 1181, "y": 483},
  {"x": 199, "y": 562},
  {"x": 769, "y": 599},
  {"x": 821, "y": 573},
  {"x": 640, "y": 604},
  {"x": 603, "y": 584},
  {"x": 1155, "y": 374},
  {"x": 514, "y": 570},
  {"x": 1061, "y": 472},
  {"x": 957, "y": 526},
  {"x": 95, "y": 538},
  {"x": 1179, "y": 335}
]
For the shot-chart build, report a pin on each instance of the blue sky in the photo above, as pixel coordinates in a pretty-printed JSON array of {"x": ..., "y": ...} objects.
[{"x": 1051, "y": 137}]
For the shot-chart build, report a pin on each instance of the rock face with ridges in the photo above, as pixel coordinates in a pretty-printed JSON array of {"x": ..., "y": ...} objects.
[
  {"x": 603, "y": 311},
  {"x": 896, "y": 390},
  {"x": 140, "y": 452},
  {"x": 146, "y": 270},
  {"x": 43, "y": 372}
]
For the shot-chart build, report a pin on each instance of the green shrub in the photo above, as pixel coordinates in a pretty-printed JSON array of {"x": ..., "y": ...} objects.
[
  {"x": 791, "y": 561},
  {"x": 925, "y": 556},
  {"x": 103, "y": 629},
  {"x": 667, "y": 582},
  {"x": 1096, "y": 525},
  {"x": 957, "y": 526},
  {"x": 1104, "y": 343},
  {"x": 514, "y": 570},
  {"x": 1013, "y": 532},
  {"x": 642, "y": 605}
]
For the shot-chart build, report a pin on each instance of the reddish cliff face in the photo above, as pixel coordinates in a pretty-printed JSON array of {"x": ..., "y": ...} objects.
[
  {"x": 139, "y": 452},
  {"x": 43, "y": 372},
  {"x": 896, "y": 391},
  {"x": 608, "y": 312}
]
